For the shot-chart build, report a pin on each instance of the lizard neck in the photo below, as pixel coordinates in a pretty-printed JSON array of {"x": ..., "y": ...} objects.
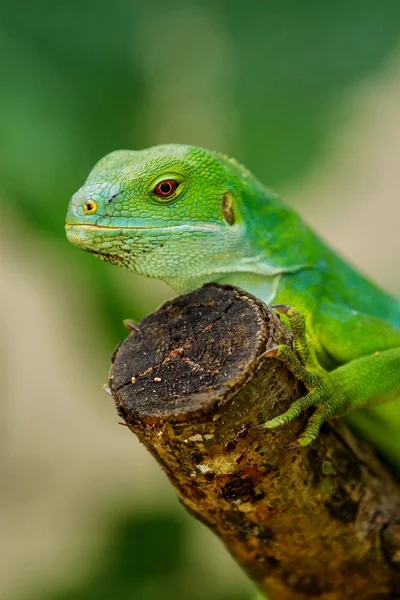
[{"x": 263, "y": 286}]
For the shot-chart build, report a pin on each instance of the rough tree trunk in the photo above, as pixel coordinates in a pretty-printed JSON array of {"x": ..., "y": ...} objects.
[{"x": 311, "y": 523}]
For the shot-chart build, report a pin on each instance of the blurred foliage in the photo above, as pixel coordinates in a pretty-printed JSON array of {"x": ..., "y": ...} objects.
[
  {"x": 82, "y": 78},
  {"x": 145, "y": 559},
  {"x": 259, "y": 80}
]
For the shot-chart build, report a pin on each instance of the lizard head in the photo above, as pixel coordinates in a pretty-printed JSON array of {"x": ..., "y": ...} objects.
[{"x": 170, "y": 212}]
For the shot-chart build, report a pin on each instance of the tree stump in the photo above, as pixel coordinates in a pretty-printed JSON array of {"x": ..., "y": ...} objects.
[{"x": 319, "y": 522}]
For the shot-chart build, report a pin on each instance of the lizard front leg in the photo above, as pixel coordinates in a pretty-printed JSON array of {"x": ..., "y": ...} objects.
[{"x": 366, "y": 380}]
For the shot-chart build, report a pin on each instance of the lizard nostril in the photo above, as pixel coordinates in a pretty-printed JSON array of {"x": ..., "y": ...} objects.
[{"x": 90, "y": 207}]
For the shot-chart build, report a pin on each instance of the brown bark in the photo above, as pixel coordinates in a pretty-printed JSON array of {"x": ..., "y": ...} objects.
[{"x": 318, "y": 522}]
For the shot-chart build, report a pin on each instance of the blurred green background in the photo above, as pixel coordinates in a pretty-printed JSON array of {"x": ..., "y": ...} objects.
[{"x": 305, "y": 94}]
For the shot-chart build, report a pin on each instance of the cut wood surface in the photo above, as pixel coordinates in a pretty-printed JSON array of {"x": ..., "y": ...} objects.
[{"x": 319, "y": 522}]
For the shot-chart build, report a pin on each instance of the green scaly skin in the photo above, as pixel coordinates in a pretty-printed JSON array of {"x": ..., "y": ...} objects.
[{"x": 223, "y": 225}]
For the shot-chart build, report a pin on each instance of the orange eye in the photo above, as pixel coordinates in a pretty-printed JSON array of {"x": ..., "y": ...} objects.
[
  {"x": 166, "y": 189},
  {"x": 90, "y": 207}
]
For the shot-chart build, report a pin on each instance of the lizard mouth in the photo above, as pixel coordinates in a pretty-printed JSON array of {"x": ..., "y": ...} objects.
[
  {"x": 115, "y": 228},
  {"x": 115, "y": 244}
]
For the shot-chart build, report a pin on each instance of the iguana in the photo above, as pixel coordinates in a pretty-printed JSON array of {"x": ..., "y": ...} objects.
[{"x": 190, "y": 216}]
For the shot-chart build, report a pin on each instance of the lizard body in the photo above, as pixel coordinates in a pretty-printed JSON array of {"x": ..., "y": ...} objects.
[{"x": 189, "y": 216}]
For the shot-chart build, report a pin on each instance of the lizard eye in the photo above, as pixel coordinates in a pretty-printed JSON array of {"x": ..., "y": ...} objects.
[
  {"x": 90, "y": 207},
  {"x": 166, "y": 188}
]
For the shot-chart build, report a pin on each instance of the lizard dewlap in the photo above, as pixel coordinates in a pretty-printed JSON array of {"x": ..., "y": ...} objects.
[{"x": 190, "y": 216}]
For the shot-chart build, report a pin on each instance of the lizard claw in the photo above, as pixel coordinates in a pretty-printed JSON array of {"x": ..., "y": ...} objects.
[
  {"x": 261, "y": 426},
  {"x": 293, "y": 445},
  {"x": 270, "y": 353},
  {"x": 282, "y": 308}
]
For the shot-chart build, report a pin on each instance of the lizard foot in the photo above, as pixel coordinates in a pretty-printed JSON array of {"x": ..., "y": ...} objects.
[{"x": 323, "y": 392}]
